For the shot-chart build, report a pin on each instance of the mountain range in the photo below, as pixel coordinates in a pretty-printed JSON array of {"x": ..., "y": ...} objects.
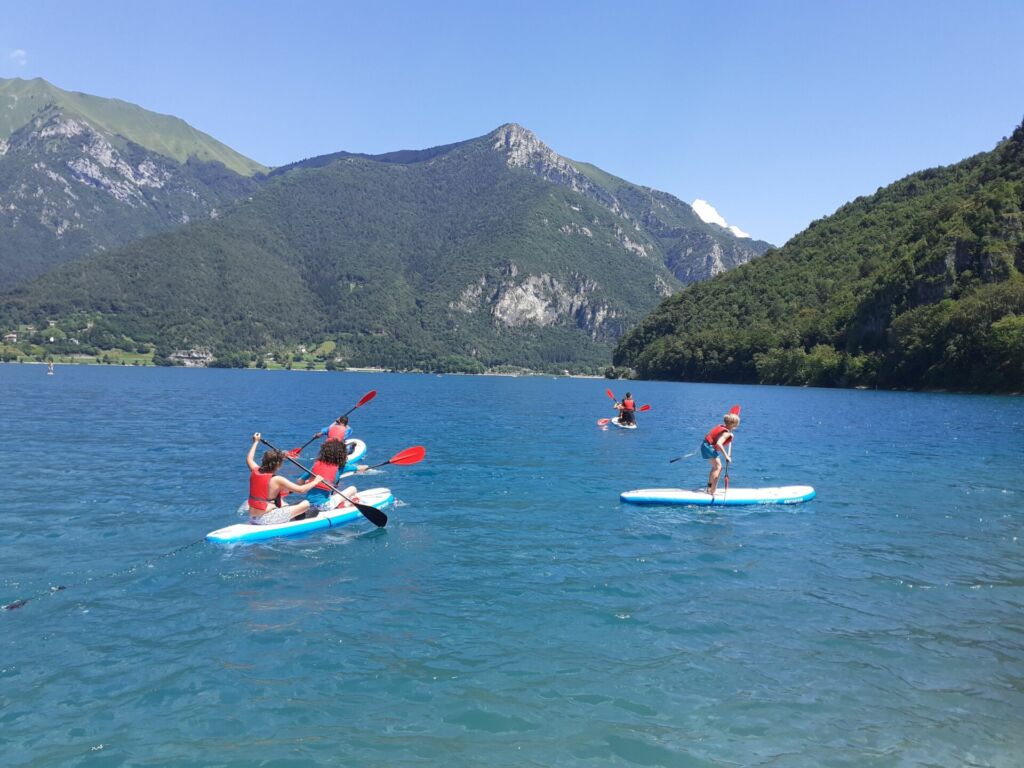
[{"x": 491, "y": 251}]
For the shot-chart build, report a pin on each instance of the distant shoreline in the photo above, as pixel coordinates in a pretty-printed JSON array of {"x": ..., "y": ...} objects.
[{"x": 354, "y": 369}]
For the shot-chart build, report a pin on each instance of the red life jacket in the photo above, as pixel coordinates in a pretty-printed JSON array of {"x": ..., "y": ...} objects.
[
  {"x": 711, "y": 438},
  {"x": 629, "y": 404},
  {"x": 338, "y": 431},
  {"x": 328, "y": 472},
  {"x": 259, "y": 490}
]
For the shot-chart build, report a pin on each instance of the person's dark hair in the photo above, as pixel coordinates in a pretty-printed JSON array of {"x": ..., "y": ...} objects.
[
  {"x": 342, "y": 420},
  {"x": 271, "y": 461},
  {"x": 333, "y": 452},
  {"x": 628, "y": 394}
]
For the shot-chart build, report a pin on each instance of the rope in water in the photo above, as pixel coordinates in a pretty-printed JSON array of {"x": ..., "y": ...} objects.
[{"x": 13, "y": 606}]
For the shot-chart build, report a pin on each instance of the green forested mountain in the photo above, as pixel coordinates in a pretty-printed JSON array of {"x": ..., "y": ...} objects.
[
  {"x": 919, "y": 285},
  {"x": 165, "y": 135},
  {"x": 81, "y": 174},
  {"x": 487, "y": 252}
]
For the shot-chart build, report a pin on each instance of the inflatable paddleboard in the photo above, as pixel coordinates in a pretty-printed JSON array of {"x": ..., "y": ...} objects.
[
  {"x": 356, "y": 451},
  {"x": 620, "y": 425},
  {"x": 788, "y": 494},
  {"x": 340, "y": 515}
]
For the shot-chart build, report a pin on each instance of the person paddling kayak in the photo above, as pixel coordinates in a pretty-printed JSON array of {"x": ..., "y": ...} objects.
[
  {"x": 626, "y": 409},
  {"x": 714, "y": 446},
  {"x": 328, "y": 467},
  {"x": 266, "y": 489}
]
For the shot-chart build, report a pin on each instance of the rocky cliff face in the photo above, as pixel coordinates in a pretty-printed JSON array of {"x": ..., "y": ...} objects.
[
  {"x": 69, "y": 189},
  {"x": 514, "y": 300},
  {"x": 651, "y": 223}
]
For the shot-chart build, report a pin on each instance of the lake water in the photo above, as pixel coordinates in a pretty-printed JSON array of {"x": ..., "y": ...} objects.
[{"x": 512, "y": 613}]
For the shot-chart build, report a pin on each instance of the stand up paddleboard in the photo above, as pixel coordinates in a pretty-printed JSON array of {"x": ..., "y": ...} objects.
[
  {"x": 620, "y": 425},
  {"x": 788, "y": 494},
  {"x": 340, "y": 515}
]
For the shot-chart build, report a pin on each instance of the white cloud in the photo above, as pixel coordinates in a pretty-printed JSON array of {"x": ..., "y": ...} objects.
[
  {"x": 19, "y": 56},
  {"x": 707, "y": 212},
  {"x": 709, "y": 215}
]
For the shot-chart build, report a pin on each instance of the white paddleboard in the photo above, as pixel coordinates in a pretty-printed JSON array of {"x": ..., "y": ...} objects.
[
  {"x": 620, "y": 425},
  {"x": 340, "y": 515},
  {"x": 787, "y": 494}
]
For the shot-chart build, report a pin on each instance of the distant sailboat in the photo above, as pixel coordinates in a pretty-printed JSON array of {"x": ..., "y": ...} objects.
[{"x": 49, "y": 369}]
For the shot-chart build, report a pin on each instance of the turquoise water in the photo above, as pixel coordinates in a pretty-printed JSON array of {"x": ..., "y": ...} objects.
[{"x": 512, "y": 613}]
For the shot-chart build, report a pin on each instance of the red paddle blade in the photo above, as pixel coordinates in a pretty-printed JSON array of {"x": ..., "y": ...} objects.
[
  {"x": 602, "y": 422},
  {"x": 294, "y": 452},
  {"x": 643, "y": 408},
  {"x": 735, "y": 410},
  {"x": 409, "y": 455},
  {"x": 366, "y": 398},
  {"x": 609, "y": 392}
]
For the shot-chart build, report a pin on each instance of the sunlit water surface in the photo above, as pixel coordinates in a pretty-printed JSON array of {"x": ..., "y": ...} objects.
[{"x": 513, "y": 612}]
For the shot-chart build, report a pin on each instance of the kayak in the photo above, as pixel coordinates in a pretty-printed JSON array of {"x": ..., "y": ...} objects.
[
  {"x": 340, "y": 515},
  {"x": 356, "y": 451},
  {"x": 620, "y": 425},
  {"x": 787, "y": 494}
]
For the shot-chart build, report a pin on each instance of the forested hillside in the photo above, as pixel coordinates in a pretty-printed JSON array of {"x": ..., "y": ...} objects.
[
  {"x": 81, "y": 174},
  {"x": 489, "y": 252},
  {"x": 917, "y": 286}
]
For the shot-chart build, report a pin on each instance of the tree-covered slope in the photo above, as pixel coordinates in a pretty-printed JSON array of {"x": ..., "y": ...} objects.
[
  {"x": 79, "y": 175},
  {"x": 461, "y": 257},
  {"x": 919, "y": 285}
]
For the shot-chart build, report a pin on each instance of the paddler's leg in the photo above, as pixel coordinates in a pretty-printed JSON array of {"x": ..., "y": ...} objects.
[{"x": 716, "y": 470}]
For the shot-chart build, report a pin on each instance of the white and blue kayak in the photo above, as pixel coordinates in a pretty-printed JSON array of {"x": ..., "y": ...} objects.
[
  {"x": 356, "y": 451},
  {"x": 787, "y": 494},
  {"x": 343, "y": 513},
  {"x": 620, "y": 425}
]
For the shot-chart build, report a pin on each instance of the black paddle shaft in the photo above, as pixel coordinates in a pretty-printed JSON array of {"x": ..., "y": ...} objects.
[{"x": 372, "y": 514}]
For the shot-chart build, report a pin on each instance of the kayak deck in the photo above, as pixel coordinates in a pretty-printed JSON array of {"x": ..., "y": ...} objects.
[
  {"x": 340, "y": 515},
  {"x": 788, "y": 494}
]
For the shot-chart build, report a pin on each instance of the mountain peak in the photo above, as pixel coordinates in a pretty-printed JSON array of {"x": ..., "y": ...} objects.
[
  {"x": 22, "y": 100},
  {"x": 523, "y": 147}
]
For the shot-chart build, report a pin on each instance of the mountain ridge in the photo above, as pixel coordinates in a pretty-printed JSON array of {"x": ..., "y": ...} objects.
[
  {"x": 918, "y": 285},
  {"x": 489, "y": 251}
]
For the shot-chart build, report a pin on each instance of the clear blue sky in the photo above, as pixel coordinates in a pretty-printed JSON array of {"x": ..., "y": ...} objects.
[{"x": 775, "y": 112}]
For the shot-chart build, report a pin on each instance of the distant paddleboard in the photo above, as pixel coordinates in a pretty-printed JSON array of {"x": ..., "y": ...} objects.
[
  {"x": 787, "y": 494},
  {"x": 620, "y": 425}
]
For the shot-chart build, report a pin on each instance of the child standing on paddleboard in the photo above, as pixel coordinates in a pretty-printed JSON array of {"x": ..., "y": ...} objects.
[
  {"x": 266, "y": 489},
  {"x": 715, "y": 445}
]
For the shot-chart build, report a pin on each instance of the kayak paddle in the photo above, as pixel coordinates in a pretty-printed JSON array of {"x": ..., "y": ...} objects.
[
  {"x": 603, "y": 422},
  {"x": 609, "y": 393},
  {"x": 412, "y": 455},
  {"x": 372, "y": 514},
  {"x": 294, "y": 452},
  {"x": 363, "y": 401}
]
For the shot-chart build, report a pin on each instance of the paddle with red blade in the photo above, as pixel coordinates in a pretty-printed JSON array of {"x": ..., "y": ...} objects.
[
  {"x": 372, "y": 514},
  {"x": 412, "y": 455},
  {"x": 363, "y": 401}
]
